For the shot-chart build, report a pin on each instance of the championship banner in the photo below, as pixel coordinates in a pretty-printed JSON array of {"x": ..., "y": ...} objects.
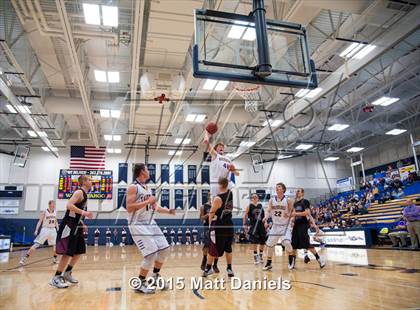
[
  {"x": 179, "y": 174},
  {"x": 205, "y": 174},
  {"x": 101, "y": 183},
  {"x": 152, "y": 173},
  {"x": 405, "y": 171},
  {"x": 122, "y": 193},
  {"x": 192, "y": 199},
  {"x": 204, "y": 194},
  {"x": 179, "y": 199},
  {"x": 164, "y": 173},
  {"x": 192, "y": 174},
  {"x": 164, "y": 198},
  {"x": 122, "y": 173}
]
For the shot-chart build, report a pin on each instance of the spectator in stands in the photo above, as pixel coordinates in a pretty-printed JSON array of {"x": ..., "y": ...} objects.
[
  {"x": 412, "y": 216},
  {"x": 399, "y": 233},
  {"x": 400, "y": 193},
  {"x": 375, "y": 193},
  {"x": 397, "y": 183},
  {"x": 412, "y": 177}
]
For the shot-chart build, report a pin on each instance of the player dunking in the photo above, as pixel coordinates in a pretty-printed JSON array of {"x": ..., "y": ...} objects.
[
  {"x": 48, "y": 220},
  {"x": 257, "y": 233},
  {"x": 220, "y": 165},
  {"x": 70, "y": 241},
  {"x": 221, "y": 231},
  {"x": 280, "y": 209},
  {"x": 300, "y": 237},
  {"x": 146, "y": 234}
]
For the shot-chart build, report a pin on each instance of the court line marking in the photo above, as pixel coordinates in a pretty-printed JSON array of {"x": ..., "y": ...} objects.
[
  {"x": 19, "y": 266},
  {"x": 124, "y": 289},
  {"x": 313, "y": 283}
]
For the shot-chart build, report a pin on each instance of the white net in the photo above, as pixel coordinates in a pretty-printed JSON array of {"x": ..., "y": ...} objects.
[{"x": 251, "y": 95}]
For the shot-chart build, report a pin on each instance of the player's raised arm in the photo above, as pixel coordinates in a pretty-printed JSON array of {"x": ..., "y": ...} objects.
[
  {"x": 210, "y": 148},
  {"x": 132, "y": 205},
  {"x": 38, "y": 225}
]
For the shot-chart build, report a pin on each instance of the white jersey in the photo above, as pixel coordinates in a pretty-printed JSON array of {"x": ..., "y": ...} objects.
[
  {"x": 142, "y": 215},
  {"x": 219, "y": 168},
  {"x": 279, "y": 213},
  {"x": 50, "y": 219}
]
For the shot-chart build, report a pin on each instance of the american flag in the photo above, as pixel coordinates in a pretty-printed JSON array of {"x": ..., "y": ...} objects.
[{"x": 87, "y": 157}]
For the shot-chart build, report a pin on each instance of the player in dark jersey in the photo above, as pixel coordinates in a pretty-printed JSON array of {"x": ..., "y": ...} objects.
[
  {"x": 300, "y": 236},
  {"x": 179, "y": 236},
  {"x": 108, "y": 235},
  {"x": 221, "y": 231},
  {"x": 257, "y": 233},
  {"x": 172, "y": 234},
  {"x": 123, "y": 237},
  {"x": 204, "y": 217},
  {"x": 70, "y": 241},
  {"x": 97, "y": 233},
  {"x": 85, "y": 236},
  {"x": 188, "y": 236},
  {"x": 195, "y": 235}
]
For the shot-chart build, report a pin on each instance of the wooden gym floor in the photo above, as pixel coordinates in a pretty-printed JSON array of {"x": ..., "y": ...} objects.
[{"x": 352, "y": 279}]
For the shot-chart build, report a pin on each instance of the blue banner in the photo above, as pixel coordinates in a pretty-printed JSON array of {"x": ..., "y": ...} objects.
[
  {"x": 179, "y": 174},
  {"x": 205, "y": 174},
  {"x": 152, "y": 173},
  {"x": 164, "y": 198},
  {"x": 164, "y": 173},
  {"x": 192, "y": 174},
  {"x": 192, "y": 199},
  {"x": 179, "y": 199},
  {"x": 204, "y": 194},
  {"x": 122, "y": 173},
  {"x": 122, "y": 192}
]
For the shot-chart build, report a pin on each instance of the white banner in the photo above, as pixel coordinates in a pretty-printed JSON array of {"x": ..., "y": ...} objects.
[
  {"x": 349, "y": 237},
  {"x": 8, "y": 211},
  {"x": 344, "y": 184}
]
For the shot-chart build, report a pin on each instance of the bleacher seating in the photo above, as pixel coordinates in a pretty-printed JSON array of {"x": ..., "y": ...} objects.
[{"x": 386, "y": 213}]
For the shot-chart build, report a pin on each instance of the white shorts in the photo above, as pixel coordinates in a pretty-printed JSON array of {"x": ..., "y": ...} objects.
[
  {"x": 148, "y": 238},
  {"x": 279, "y": 233},
  {"x": 49, "y": 234}
]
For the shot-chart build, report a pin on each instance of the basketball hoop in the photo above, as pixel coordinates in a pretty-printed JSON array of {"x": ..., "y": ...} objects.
[{"x": 251, "y": 96}]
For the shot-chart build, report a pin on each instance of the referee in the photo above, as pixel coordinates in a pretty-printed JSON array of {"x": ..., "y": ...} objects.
[{"x": 300, "y": 236}]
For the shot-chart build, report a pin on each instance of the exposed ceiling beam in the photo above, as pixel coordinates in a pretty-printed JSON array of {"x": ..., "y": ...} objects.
[
  {"x": 383, "y": 43},
  {"x": 135, "y": 59},
  {"x": 14, "y": 101},
  {"x": 68, "y": 35}
]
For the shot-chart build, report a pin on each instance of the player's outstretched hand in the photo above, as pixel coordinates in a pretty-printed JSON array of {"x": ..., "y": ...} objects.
[
  {"x": 232, "y": 167},
  {"x": 172, "y": 211},
  {"x": 87, "y": 214},
  {"x": 206, "y": 137}
]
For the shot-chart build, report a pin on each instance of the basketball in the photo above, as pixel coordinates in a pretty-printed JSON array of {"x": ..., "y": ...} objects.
[
  {"x": 307, "y": 196},
  {"x": 211, "y": 128}
]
